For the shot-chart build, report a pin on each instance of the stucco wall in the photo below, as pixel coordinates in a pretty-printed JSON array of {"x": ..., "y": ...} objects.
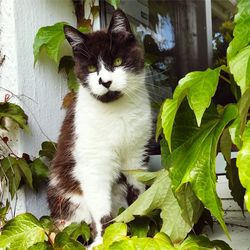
[{"x": 40, "y": 88}]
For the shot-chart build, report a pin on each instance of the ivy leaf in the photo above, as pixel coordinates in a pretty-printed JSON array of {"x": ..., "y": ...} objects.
[
  {"x": 39, "y": 169},
  {"x": 237, "y": 191},
  {"x": 114, "y": 232},
  {"x": 48, "y": 150},
  {"x": 201, "y": 242},
  {"x": 139, "y": 227},
  {"x": 64, "y": 242},
  {"x": 194, "y": 162},
  {"x": 114, "y": 3},
  {"x": 240, "y": 65},
  {"x": 66, "y": 63},
  {"x": 237, "y": 127},
  {"x": 204, "y": 82},
  {"x": 160, "y": 196},
  {"x": 74, "y": 230},
  {"x": 47, "y": 223},
  {"x": 160, "y": 242},
  {"x": 243, "y": 164},
  {"x": 41, "y": 246},
  {"x": 241, "y": 30},
  {"x": 202, "y": 90},
  {"x": 21, "y": 232},
  {"x": 51, "y": 38},
  {"x": 143, "y": 176},
  {"x": 10, "y": 171},
  {"x": 73, "y": 84},
  {"x": 25, "y": 171},
  {"x": 15, "y": 113},
  {"x": 226, "y": 145}
]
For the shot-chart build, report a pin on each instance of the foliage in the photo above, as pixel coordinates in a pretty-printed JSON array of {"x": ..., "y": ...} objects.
[{"x": 191, "y": 129}]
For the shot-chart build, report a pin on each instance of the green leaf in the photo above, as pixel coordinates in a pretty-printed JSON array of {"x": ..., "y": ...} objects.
[
  {"x": 204, "y": 82},
  {"x": 41, "y": 246},
  {"x": 10, "y": 171},
  {"x": 226, "y": 145},
  {"x": 243, "y": 164},
  {"x": 202, "y": 90},
  {"x": 48, "y": 150},
  {"x": 203, "y": 243},
  {"x": 39, "y": 169},
  {"x": 66, "y": 63},
  {"x": 139, "y": 227},
  {"x": 241, "y": 30},
  {"x": 143, "y": 176},
  {"x": 158, "y": 124},
  {"x": 194, "y": 162},
  {"x": 74, "y": 230},
  {"x": 237, "y": 127},
  {"x": 21, "y": 232},
  {"x": 237, "y": 191},
  {"x": 114, "y": 3},
  {"x": 240, "y": 68},
  {"x": 25, "y": 171},
  {"x": 64, "y": 242},
  {"x": 15, "y": 113},
  {"x": 160, "y": 242},
  {"x": 47, "y": 223},
  {"x": 73, "y": 84},
  {"x": 51, "y": 38},
  {"x": 160, "y": 196},
  {"x": 114, "y": 232}
]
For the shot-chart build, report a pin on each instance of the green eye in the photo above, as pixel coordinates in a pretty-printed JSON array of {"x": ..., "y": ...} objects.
[
  {"x": 91, "y": 68},
  {"x": 117, "y": 61}
]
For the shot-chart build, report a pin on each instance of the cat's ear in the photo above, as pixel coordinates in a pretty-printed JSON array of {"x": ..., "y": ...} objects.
[
  {"x": 119, "y": 23},
  {"x": 74, "y": 36}
]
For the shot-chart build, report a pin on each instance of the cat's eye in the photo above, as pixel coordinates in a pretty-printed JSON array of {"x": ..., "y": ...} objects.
[
  {"x": 91, "y": 68},
  {"x": 117, "y": 61}
]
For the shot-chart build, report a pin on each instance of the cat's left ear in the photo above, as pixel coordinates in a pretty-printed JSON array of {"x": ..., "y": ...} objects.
[{"x": 119, "y": 23}]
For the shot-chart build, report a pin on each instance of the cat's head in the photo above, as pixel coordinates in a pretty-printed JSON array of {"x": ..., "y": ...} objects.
[{"x": 109, "y": 63}]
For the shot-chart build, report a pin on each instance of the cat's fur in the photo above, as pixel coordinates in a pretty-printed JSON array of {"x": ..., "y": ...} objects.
[{"x": 104, "y": 132}]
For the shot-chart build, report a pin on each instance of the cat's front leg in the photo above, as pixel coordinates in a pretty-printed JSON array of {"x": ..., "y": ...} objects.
[{"x": 97, "y": 178}]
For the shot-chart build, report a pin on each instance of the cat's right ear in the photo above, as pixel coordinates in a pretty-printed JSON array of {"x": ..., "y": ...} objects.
[{"x": 74, "y": 36}]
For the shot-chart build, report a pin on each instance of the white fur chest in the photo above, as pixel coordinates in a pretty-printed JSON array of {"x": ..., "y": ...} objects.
[{"x": 119, "y": 126}]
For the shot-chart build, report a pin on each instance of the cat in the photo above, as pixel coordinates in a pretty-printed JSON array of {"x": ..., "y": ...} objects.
[{"x": 104, "y": 132}]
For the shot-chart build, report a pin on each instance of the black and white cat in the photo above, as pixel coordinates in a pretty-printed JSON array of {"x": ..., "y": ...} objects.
[{"x": 104, "y": 132}]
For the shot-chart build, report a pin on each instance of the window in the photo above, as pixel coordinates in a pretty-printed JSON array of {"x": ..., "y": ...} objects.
[{"x": 178, "y": 36}]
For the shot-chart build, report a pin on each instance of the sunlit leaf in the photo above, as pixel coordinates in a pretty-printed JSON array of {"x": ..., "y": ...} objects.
[
  {"x": 74, "y": 230},
  {"x": 64, "y": 242},
  {"x": 21, "y": 232},
  {"x": 41, "y": 246},
  {"x": 240, "y": 67},
  {"x": 194, "y": 162},
  {"x": 243, "y": 164},
  {"x": 51, "y": 38},
  {"x": 160, "y": 196}
]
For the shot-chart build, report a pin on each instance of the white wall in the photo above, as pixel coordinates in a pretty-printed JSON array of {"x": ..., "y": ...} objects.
[{"x": 41, "y": 88}]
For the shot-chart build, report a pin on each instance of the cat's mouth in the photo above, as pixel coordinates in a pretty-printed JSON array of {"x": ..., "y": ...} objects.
[{"x": 110, "y": 96}]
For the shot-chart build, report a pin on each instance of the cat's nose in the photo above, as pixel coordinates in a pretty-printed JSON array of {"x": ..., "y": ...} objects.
[{"x": 105, "y": 84}]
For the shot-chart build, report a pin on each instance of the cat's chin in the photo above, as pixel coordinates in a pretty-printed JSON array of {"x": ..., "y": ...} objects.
[{"x": 110, "y": 96}]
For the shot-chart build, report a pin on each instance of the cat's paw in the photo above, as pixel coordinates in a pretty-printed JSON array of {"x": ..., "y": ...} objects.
[{"x": 97, "y": 242}]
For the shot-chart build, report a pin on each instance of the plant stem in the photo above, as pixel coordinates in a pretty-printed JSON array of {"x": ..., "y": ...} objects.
[
  {"x": 79, "y": 11},
  {"x": 225, "y": 79}
]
